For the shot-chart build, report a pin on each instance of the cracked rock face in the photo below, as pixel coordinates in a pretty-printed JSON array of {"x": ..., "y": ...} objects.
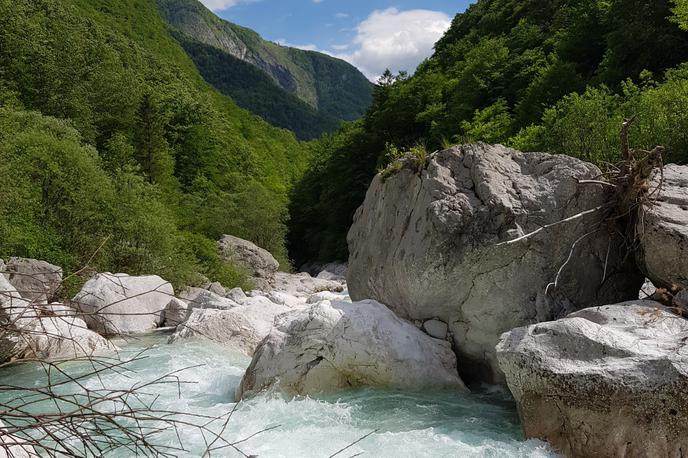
[
  {"x": 430, "y": 245},
  {"x": 663, "y": 230},
  {"x": 337, "y": 345},
  {"x": 606, "y": 381}
]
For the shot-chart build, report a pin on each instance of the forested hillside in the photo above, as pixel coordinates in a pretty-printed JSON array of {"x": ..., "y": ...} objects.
[
  {"x": 304, "y": 91},
  {"x": 543, "y": 75},
  {"x": 113, "y": 146}
]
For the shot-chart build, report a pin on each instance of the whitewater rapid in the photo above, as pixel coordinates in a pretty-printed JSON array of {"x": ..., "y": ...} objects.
[{"x": 427, "y": 424}]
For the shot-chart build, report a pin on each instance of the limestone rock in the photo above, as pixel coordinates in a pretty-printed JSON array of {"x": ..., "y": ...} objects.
[
  {"x": 204, "y": 299},
  {"x": 663, "y": 230},
  {"x": 431, "y": 244},
  {"x": 35, "y": 280},
  {"x": 64, "y": 337},
  {"x": 217, "y": 288},
  {"x": 286, "y": 299},
  {"x": 17, "y": 318},
  {"x": 241, "y": 327},
  {"x": 606, "y": 381},
  {"x": 303, "y": 285},
  {"x": 177, "y": 312},
  {"x": 335, "y": 271},
  {"x": 236, "y": 294},
  {"x": 436, "y": 328},
  {"x": 47, "y": 332},
  {"x": 326, "y": 296},
  {"x": 123, "y": 304},
  {"x": 332, "y": 346},
  {"x": 259, "y": 262}
]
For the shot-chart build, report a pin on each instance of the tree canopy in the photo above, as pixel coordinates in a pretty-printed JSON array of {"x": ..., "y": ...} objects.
[{"x": 545, "y": 75}]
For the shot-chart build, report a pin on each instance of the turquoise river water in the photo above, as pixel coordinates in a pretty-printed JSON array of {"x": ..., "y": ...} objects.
[{"x": 424, "y": 424}]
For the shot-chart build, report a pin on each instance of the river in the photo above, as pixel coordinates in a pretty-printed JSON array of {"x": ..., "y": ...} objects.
[{"x": 425, "y": 424}]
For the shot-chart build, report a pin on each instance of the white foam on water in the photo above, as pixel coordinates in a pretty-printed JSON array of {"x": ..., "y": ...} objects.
[{"x": 425, "y": 424}]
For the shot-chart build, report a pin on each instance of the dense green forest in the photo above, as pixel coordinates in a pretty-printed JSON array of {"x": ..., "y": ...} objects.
[
  {"x": 113, "y": 146},
  {"x": 307, "y": 92},
  {"x": 539, "y": 75}
]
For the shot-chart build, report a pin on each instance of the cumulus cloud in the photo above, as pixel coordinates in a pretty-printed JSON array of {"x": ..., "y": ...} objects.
[{"x": 394, "y": 39}]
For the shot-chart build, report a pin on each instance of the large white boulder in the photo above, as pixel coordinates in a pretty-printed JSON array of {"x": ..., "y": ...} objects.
[
  {"x": 443, "y": 241},
  {"x": 259, "y": 263},
  {"x": 64, "y": 337},
  {"x": 35, "y": 280},
  {"x": 608, "y": 381},
  {"x": 45, "y": 332},
  {"x": 241, "y": 327},
  {"x": 332, "y": 346},
  {"x": 663, "y": 229},
  {"x": 122, "y": 304}
]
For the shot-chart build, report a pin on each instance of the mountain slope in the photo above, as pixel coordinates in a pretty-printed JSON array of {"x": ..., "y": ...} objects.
[
  {"x": 254, "y": 90},
  {"x": 334, "y": 88},
  {"x": 146, "y": 157}
]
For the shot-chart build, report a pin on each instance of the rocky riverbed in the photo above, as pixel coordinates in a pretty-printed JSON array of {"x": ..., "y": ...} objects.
[{"x": 483, "y": 265}]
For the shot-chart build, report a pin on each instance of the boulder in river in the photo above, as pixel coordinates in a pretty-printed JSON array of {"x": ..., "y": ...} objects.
[
  {"x": 259, "y": 263},
  {"x": 64, "y": 337},
  {"x": 336, "y": 345},
  {"x": 242, "y": 327},
  {"x": 122, "y": 304},
  {"x": 47, "y": 332},
  {"x": 606, "y": 381},
  {"x": 177, "y": 312},
  {"x": 447, "y": 240},
  {"x": 36, "y": 281},
  {"x": 663, "y": 229}
]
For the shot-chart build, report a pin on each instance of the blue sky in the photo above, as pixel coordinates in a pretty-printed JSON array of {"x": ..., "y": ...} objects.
[{"x": 372, "y": 34}]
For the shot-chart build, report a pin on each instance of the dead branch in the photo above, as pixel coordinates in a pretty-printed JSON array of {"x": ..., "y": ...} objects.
[
  {"x": 556, "y": 223},
  {"x": 72, "y": 411}
]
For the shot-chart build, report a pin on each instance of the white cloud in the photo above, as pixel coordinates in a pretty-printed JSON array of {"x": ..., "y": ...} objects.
[
  {"x": 394, "y": 39},
  {"x": 308, "y": 47},
  {"x": 222, "y": 5}
]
